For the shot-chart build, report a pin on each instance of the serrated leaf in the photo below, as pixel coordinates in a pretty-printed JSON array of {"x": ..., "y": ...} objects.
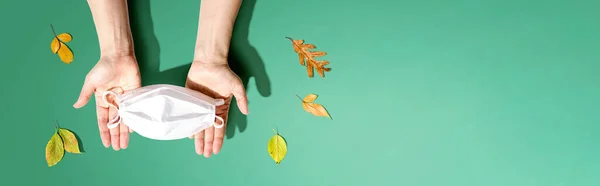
[
  {"x": 307, "y": 57},
  {"x": 70, "y": 142},
  {"x": 277, "y": 148},
  {"x": 54, "y": 150}
]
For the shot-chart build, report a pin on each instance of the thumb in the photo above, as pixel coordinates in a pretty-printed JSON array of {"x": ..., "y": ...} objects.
[
  {"x": 240, "y": 96},
  {"x": 86, "y": 93}
]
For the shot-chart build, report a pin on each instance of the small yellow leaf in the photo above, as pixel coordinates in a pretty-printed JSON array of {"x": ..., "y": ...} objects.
[
  {"x": 65, "y": 54},
  {"x": 54, "y": 45},
  {"x": 58, "y": 46},
  {"x": 70, "y": 141},
  {"x": 277, "y": 147},
  {"x": 54, "y": 150},
  {"x": 65, "y": 37},
  {"x": 310, "y": 98},
  {"x": 314, "y": 108}
]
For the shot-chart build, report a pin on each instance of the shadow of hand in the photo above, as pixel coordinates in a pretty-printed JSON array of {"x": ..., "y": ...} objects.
[{"x": 245, "y": 61}]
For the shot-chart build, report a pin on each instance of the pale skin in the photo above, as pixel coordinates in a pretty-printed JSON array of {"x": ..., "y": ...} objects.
[{"x": 117, "y": 69}]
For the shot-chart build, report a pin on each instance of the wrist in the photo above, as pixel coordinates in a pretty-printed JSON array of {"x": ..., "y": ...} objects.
[
  {"x": 117, "y": 52},
  {"x": 215, "y": 26},
  {"x": 210, "y": 59},
  {"x": 117, "y": 44}
]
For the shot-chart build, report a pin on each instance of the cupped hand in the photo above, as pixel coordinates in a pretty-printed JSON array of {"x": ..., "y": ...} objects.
[
  {"x": 218, "y": 81},
  {"x": 118, "y": 74}
]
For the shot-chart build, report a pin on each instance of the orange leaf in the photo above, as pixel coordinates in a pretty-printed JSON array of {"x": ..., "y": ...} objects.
[
  {"x": 307, "y": 58},
  {"x": 310, "y": 98},
  {"x": 313, "y": 108}
]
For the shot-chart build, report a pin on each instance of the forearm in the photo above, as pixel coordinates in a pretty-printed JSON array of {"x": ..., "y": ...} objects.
[
  {"x": 112, "y": 25},
  {"x": 215, "y": 26}
]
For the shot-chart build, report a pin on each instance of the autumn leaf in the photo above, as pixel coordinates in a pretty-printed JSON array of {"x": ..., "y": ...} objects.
[
  {"x": 70, "y": 141},
  {"x": 61, "y": 38},
  {"x": 59, "y": 47},
  {"x": 277, "y": 147},
  {"x": 62, "y": 140},
  {"x": 54, "y": 45},
  {"x": 54, "y": 150},
  {"x": 65, "y": 54},
  {"x": 307, "y": 57},
  {"x": 314, "y": 108}
]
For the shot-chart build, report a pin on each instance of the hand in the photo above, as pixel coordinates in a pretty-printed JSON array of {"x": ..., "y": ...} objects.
[
  {"x": 110, "y": 73},
  {"x": 218, "y": 81}
]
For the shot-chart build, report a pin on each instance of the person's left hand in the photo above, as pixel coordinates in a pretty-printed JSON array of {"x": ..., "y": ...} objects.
[{"x": 218, "y": 81}]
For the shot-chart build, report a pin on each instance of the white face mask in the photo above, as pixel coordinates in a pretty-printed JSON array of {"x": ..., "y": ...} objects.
[{"x": 165, "y": 112}]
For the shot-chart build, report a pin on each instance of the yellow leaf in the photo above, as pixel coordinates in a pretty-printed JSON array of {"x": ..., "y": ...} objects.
[
  {"x": 307, "y": 58},
  {"x": 58, "y": 46},
  {"x": 54, "y": 45},
  {"x": 54, "y": 150},
  {"x": 65, "y": 54},
  {"x": 314, "y": 108},
  {"x": 277, "y": 147},
  {"x": 70, "y": 141},
  {"x": 310, "y": 98},
  {"x": 65, "y": 37}
]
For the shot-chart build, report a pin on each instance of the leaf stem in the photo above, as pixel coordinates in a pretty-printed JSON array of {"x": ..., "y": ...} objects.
[
  {"x": 51, "y": 27},
  {"x": 55, "y": 125},
  {"x": 299, "y": 97}
]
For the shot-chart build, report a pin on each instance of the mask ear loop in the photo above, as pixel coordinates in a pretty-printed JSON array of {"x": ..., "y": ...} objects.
[
  {"x": 219, "y": 102},
  {"x": 117, "y": 119},
  {"x": 222, "y": 122}
]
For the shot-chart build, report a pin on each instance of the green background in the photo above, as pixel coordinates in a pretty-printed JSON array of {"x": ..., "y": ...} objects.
[{"x": 422, "y": 93}]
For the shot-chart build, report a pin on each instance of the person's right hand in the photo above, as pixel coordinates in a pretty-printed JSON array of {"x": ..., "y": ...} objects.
[{"x": 110, "y": 73}]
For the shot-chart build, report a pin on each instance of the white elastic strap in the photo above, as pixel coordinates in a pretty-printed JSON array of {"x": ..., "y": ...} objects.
[
  {"x": 117, "y": 119},
  {"x": 222, "y": 122},
  {"x": 219, "y": 102}
]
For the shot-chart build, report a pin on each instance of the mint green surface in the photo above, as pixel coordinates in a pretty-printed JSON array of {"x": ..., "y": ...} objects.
[{"x": 422, "y": 93}]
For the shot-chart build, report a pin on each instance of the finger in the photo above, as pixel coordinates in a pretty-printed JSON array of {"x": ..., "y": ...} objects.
[
  {"x": 102, "y": 115},
  {"x": 199, "y": 143},
  {"x": 209, "y": 134},
  {"x": 218, "y": 139},
  {"x": 220, "y": 132},
  {"x": 84, "y": 96},
  {"x": 124, "y": 138},
  {"x": 114, "y": 132},
  {"x": 240, "y": 96}
]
